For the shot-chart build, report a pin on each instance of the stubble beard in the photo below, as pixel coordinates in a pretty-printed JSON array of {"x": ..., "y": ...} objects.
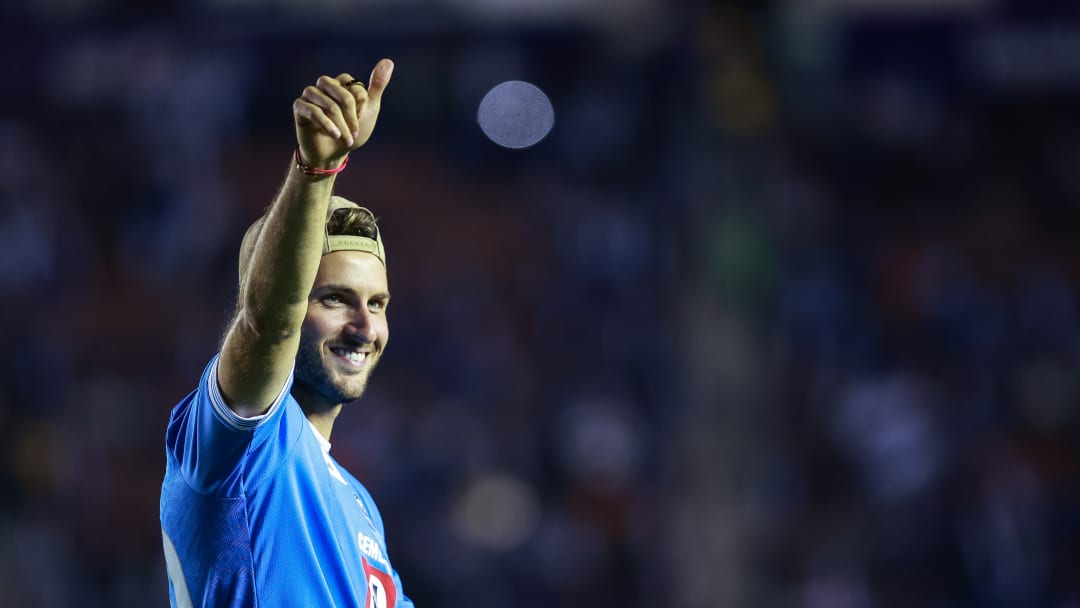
[{"x": 312, "y": 372}]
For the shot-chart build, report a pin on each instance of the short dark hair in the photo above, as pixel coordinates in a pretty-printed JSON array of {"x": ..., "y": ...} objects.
[{"x": 352, "y": 221}]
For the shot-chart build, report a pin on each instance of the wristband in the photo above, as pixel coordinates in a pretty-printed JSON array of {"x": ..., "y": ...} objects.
[{"x": 308, "y": 169}]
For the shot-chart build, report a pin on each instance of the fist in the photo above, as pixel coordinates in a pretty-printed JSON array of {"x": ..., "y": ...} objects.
[{"x": 337, "y": 115}]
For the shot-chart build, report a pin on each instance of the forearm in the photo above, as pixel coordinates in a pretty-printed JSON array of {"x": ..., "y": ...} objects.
[
  {"x": 261, "y": 343},
  {"x": 273, "y": 299}
]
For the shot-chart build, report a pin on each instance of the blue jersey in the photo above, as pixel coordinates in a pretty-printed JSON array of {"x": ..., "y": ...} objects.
[{"x": 255, "y": 512}]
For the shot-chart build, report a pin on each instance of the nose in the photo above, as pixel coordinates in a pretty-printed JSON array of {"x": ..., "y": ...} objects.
[{"x": 361, "y": 326}]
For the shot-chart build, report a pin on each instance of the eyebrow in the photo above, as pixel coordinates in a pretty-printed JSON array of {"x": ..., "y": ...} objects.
[{"x": 383, "y": 295}]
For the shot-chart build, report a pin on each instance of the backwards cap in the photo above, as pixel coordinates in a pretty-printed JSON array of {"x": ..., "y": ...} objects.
[{"x": 331, "y": 242}]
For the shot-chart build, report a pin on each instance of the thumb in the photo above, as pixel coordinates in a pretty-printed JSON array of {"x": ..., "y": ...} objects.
[{"x": 380, "y": 77}]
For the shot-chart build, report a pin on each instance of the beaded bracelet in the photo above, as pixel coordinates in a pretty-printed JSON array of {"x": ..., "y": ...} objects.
[{"x": 308, "y": 169}]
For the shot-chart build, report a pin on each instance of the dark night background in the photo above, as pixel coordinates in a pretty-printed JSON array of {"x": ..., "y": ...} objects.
[{"x": 783, "y": 312}]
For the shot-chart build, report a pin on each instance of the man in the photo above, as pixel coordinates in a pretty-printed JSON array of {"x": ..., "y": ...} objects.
[{"x": 254, "y": 510}]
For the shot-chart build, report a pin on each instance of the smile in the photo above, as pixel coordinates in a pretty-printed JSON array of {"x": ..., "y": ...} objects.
[{"x": 354, "y": 358}]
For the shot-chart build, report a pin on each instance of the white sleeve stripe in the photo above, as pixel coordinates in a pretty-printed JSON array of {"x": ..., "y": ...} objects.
[{"x": 229, "y": 417}]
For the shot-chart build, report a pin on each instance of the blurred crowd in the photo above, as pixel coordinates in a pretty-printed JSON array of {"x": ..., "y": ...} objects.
[{"x": 783, "y": 312}]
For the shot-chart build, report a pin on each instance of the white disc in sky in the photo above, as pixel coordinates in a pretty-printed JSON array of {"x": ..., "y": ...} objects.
[{"x": 515, "y": 114}]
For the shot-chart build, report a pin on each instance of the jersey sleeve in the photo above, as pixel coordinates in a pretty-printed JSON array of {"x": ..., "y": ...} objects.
[{"x": 210, "y": 443}]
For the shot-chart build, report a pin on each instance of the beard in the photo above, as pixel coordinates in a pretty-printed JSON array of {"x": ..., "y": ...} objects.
[{"x": 312, "y": 372}]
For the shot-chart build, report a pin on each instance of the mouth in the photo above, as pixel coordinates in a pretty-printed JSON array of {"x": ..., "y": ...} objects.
[{"x": 355, "y": 357}]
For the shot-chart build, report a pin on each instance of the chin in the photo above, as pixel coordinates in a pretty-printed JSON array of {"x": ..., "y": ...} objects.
[
  {"x": 351, "y": 388},
  {"x": 351, "y": 393}
]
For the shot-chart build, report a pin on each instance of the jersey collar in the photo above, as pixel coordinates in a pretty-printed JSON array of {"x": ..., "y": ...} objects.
[{"x": 322, "y": 440}]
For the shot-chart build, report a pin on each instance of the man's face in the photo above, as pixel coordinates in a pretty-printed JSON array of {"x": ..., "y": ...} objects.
[{"x": 345, "y": 331}]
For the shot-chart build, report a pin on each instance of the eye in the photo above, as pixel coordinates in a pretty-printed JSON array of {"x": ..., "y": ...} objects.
[
  {"x": 376, "y": 305},
  {"x": 331, "y": 299}
]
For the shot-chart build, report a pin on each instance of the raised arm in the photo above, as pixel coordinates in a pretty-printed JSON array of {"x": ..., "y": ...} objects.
[{"x": 261, "y": 343}]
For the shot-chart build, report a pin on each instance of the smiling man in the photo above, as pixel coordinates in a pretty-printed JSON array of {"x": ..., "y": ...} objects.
[{"x": 254, "y": 509}]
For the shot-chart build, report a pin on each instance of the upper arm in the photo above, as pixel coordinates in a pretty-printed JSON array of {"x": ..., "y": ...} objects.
[
  {"x": 254, "y": 365},
  {"x": 208, "y": 440}
]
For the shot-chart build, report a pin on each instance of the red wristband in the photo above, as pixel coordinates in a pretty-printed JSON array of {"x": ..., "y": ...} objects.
[{"x": 308, "y": 169}]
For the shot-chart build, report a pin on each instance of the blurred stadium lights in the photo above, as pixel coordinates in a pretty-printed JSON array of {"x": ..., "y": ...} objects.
[
  {"x": 893, "y": 6},
  {"x": 496, "y": 511},
  {"x": 1026, "y": 56},
  {"x": 950, "y": 48},
  {"x": 491, "y": 12},
  {"x": 645, "y": 18},
  {"x": 551, "y": 10}
]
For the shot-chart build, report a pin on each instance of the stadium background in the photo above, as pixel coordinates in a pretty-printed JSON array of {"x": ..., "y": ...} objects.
[{"x": 783, "y": 312}]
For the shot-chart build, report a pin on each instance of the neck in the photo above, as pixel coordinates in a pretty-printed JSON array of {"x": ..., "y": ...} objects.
[
  {"x": 321, "y": 415},
  {"x": 323, "y": 421}
]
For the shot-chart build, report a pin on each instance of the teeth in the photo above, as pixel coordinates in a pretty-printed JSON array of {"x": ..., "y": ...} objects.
[{"x": 353, "y": 356}]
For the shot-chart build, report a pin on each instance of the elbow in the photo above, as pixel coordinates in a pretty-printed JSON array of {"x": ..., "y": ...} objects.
[
  {"x": 263, "y": 328},
  {"x": 270, "y": 312}
]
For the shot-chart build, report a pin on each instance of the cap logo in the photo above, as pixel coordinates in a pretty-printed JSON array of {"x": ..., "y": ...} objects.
[{"x": 344, "y": 242}]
